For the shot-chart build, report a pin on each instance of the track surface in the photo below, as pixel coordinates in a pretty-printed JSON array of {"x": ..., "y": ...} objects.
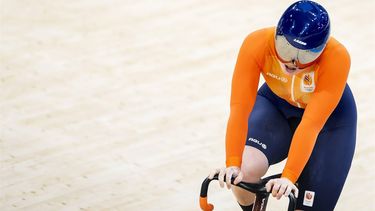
[{"x": 122, "y": 105}]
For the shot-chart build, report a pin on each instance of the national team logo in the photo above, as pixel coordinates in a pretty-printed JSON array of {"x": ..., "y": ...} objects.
[
  {"x": 307, "y": 82},
  {"x": 308, "y": 199}
]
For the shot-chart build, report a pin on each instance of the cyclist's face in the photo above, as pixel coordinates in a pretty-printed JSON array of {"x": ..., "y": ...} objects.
[{"x": 295, "y": 59}]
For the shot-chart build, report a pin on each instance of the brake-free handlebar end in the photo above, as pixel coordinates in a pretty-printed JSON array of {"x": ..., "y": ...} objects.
[{"x": 205, "y": 206}]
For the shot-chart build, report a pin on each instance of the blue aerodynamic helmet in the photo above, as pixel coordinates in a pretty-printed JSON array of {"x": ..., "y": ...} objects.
[{"x": 305, "y": 28}]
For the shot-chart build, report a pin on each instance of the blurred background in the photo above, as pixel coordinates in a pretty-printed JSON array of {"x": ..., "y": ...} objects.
[{"x": 123, "y": 105}]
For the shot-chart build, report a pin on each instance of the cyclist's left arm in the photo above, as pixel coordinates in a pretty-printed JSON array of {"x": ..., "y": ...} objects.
[{"x": 334, "y": 70}]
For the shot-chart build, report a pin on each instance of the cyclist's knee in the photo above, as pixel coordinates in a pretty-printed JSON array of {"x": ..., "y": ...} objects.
[
  {"x": 253, "y": 173},
  {"x": 254, "y": 164}
]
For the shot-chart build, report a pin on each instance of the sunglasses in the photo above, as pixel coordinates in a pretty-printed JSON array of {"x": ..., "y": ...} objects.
[{"x": 294, "y": 57}]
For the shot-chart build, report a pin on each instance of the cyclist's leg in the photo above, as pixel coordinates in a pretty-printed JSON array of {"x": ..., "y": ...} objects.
[
  {"x": 267, "y": 143},
  {"x": 254, "y": 167},
  {"x": 323, "y": 178}
]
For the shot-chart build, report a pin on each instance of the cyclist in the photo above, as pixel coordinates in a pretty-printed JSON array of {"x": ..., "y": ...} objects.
[{"x": 304, "y": 112}]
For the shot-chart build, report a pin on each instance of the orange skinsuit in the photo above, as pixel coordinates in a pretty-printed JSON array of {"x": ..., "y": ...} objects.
[{"x": 319, "y": 93}]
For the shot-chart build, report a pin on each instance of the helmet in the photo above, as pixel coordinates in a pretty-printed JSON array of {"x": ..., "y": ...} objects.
[{"x": 302, "y": 32}]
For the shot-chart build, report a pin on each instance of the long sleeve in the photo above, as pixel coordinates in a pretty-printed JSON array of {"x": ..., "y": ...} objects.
[
  {"x": 328, "y": 92},
  {"x": 244, "y": 89}
]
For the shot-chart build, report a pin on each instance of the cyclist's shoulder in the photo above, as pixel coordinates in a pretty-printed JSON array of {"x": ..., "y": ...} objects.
[
  {"x": 336, "y": 50},
  {"x": 263, "y": 34},
  {"x": 260, "y": 40}
]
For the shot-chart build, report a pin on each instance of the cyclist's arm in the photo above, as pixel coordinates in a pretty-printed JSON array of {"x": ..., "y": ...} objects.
[
  {"x": 332, "y": 80},
  {"x": 244, "y": 89}
]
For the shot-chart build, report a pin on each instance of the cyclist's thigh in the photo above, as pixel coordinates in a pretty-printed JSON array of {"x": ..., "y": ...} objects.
[
  {"x": 323, "y": 178},
  {"x": 268, "y": 131}
]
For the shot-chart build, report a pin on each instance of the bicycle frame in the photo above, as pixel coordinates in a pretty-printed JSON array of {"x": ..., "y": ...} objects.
[{"x": 259, "y": 189}]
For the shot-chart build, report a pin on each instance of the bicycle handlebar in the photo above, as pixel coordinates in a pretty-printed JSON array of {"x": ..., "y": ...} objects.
[{"x": 258, "y": 188}]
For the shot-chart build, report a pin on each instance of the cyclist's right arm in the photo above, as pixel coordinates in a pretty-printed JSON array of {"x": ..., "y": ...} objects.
[{"x": 244, "y": 89}]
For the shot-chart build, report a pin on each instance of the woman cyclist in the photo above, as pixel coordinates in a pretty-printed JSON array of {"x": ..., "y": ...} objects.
[{"x": 304, "y": 112}]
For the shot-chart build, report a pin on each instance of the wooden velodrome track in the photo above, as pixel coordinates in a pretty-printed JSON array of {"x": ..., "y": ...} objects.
[{"x": 122, "y": 105}]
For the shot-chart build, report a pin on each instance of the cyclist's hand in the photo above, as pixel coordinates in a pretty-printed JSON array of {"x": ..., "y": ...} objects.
[
  {"x": 281, "y": 186},
  {"x": 232, "y": 171}
]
